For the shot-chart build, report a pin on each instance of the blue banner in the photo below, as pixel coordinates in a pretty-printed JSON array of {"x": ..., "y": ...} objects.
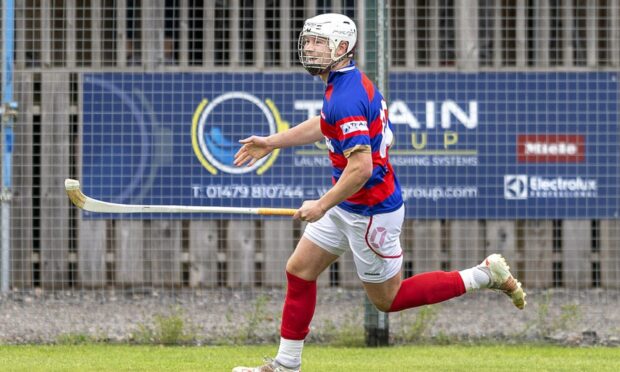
[{"x": 467, "y": 146}]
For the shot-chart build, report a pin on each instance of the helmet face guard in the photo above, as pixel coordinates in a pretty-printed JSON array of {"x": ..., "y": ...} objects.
[
  {"x": 314, "y": 61},
  {"x": 329, "y": 31}
]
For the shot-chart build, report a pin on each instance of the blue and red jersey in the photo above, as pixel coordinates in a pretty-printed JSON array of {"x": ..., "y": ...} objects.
[{"x": 354, "y": 117}]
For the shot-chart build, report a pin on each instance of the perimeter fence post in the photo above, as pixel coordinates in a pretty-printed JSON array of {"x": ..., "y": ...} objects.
[
  {"x": 8, "y": 111},
  {"x": 376, "y": 323}
]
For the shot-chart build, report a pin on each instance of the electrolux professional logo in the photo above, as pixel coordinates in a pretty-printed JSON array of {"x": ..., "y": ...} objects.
[
  {"x": 519, "y": 187},
  {"x": 515, "y": 187},
  {"x": 218, "y": 125}
]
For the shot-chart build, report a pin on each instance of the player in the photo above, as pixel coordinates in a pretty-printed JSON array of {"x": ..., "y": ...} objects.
[{"x": 363, "y": 211}]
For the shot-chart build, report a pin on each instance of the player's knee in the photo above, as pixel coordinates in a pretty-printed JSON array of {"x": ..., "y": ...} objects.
[
  {"x": 301, "y": 270},
  {"x": 294, "y": 267},
  {"x": 383, "y": 305},
  {"x": 382, "y": 295}
]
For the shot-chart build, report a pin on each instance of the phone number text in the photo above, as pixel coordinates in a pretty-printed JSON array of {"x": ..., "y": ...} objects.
[{"x": 240, "y": 191}]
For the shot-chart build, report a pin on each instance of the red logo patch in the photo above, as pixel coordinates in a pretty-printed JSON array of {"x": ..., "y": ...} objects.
[{"x": 551, "y": 148}]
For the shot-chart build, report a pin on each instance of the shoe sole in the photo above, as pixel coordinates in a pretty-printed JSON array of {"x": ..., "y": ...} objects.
[{"x": 510, "y": 286}]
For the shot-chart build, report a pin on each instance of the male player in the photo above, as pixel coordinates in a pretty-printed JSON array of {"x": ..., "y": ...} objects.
[{"x": 363, "y": 211}]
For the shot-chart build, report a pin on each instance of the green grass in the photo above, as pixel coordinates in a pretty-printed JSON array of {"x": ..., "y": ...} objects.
[{"x": 102, "y": 357}]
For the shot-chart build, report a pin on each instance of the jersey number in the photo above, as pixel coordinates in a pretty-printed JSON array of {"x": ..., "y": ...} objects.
[{"x": 387, "y": 135}]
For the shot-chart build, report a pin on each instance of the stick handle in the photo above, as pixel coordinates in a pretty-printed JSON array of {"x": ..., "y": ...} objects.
[{"x": 276, "y": 211}]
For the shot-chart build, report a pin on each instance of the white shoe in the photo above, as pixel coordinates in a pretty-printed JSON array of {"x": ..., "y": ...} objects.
[
  {"x": 501, "y": 279},
  {"x": 270, "y": 366}
]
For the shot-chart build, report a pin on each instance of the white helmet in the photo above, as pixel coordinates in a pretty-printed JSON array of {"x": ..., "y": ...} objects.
[{"x": 332, "y": 27}]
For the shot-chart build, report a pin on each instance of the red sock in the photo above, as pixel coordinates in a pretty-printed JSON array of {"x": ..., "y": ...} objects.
[
  {"x": 428, "y": 288},
  {"x": 298, "y": 308}
]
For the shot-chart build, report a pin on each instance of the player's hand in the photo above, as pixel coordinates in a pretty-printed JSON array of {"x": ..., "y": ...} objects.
[
  {"x": 253, "y": 149},
  {"x": 310, "y": 211}
]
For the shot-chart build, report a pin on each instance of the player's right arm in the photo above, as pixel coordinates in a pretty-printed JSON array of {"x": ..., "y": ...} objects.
[{"x": 256, "y": 147}]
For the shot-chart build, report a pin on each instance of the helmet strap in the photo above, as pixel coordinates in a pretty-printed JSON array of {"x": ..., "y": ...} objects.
[{"x": 335, "y": 62}]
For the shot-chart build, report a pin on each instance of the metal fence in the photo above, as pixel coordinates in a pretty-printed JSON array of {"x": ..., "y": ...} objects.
[{"x": 52, "y": 246}]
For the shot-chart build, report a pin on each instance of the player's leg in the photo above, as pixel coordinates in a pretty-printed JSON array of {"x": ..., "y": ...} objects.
[
  {"x": 396, "y": 294},
  {"x": 302, "y": 270},
  {"x": 375, "y": 242},
  {"x": 378, "y": 258},
  {"x": 437, "y": 286},
  {"x": 321, "y": 245},
  {"x": 432, "y": 287}
]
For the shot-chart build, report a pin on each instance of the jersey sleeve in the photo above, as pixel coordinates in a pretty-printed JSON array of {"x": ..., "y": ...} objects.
[{"x": 352, "y": 127}]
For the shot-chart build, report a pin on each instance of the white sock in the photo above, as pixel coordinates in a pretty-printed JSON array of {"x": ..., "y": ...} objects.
[
  {"x": 474, "y": 278},
  {"x": 289, "y": 353}
]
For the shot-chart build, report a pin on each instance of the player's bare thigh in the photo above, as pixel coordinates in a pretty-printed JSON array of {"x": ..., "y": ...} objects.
[
  {"x": 382, "y": 294},
  {"x": 309, "y": 260}
]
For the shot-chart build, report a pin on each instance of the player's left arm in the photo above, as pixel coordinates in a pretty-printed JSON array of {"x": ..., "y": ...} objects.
[{"x": 356, "y": 173}]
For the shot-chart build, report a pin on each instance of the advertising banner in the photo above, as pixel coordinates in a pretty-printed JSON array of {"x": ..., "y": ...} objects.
[{"x": 467, "y": 146}]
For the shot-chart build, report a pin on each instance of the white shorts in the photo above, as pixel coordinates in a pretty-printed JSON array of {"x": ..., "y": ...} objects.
[{"x": 374, "y": 240}]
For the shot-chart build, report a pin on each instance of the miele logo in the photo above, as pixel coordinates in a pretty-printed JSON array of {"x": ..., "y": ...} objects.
[{"x": 551, "y": 148}]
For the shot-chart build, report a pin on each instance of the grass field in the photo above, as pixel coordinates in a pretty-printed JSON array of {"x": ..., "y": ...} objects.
[{"x": 316, "y": 358}]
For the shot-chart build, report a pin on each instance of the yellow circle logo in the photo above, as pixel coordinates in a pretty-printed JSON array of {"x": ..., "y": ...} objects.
[{"x": 215, "y": 141}]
